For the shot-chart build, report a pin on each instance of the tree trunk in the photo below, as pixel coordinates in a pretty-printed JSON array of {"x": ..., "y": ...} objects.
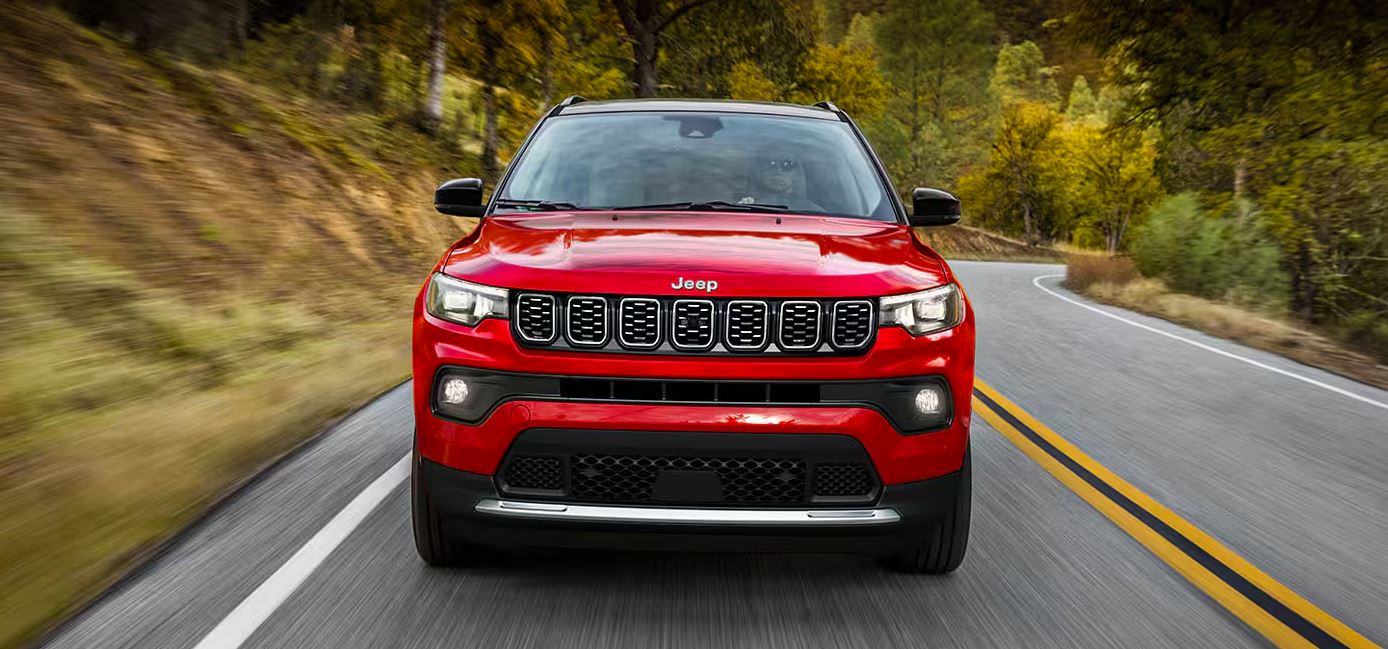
[
  {"x": 433, "y": 108},
  {"x": 547, "y": 74},
  {"x": 645, "y": 48},
  {"x": 1028, "y": 223},
  {"x": 490, "y": 168}
]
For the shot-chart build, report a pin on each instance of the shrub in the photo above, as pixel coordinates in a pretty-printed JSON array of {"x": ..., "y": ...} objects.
[
  {"x": 1218, "y": 257},
  {"x": 1085, "y": 270}
]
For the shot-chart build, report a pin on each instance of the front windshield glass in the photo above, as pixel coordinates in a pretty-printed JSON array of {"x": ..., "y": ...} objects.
[{"x": 636, "y": 159}]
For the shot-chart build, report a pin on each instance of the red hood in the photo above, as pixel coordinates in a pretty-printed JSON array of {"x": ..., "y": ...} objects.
[{"x": 749, "y": 255}]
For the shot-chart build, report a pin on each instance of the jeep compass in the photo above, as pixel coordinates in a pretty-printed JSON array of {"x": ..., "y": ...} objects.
[{"x": 693, "y": 325}]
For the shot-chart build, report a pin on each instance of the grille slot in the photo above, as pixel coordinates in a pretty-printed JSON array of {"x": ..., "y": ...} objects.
[
  {"x": 587, "y": 321},
  {"x": 627, "y": 478},
  {"x": 640, "y": 323},
  {"x": 852, "y": 479},
  {"x": 535, "y": 316},
  {"x": 691, "y": 328},
  {"x": 746, "y": 325},
  {"x": 799, "y": 326},
  {"x": 852, "y": 324},
  {"x": 689, "y": 391},
  {"x": 535, "y": 472}
]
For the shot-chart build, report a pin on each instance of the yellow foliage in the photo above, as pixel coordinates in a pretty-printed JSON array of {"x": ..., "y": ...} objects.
[
  {"x": 747, "y": 81},
  {"x": 847, "y": 77}
]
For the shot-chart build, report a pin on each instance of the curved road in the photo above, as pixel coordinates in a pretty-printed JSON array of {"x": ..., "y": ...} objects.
[{"x": 1291, "y": 475}]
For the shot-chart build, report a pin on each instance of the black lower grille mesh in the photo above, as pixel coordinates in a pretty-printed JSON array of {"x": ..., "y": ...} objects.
[
  {"x": 842, "y": 480},
  {"x": 605, "y": 477},
  {"x": 535, "y": 472},
  {"x": 742, "y": 480}
]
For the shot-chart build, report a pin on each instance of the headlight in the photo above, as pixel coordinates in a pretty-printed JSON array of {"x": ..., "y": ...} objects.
[
  {"x": 463, "y": 302},
  {"x": 924, "y": 312}
]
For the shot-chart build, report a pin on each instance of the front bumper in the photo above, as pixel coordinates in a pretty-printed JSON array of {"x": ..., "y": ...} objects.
[
  {"x": 900, "y": 518},
  {"x": 478, "y": 446}
]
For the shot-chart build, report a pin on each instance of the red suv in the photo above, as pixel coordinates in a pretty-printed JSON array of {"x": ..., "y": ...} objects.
[{"x": 693, "y": 325}]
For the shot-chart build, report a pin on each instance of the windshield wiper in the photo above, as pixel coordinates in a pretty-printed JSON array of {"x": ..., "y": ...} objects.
[
  {"x": 708, "y": 206},
  {"x": 546, "y": 206}
]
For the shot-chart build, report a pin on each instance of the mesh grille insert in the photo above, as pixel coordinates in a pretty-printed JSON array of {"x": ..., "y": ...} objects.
[
  {"x": 587, "y": 321},
  {"x": 629, "y": 478},
  {"x": 535, "y": 472},
  {"x": 843, "y": 480}
]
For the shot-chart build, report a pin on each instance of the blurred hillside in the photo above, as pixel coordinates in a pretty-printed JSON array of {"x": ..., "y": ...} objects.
[{"x": 196, "y": 271}]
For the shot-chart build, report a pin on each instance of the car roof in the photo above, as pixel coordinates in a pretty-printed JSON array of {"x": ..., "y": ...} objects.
[{"x": 581, "y": 107}]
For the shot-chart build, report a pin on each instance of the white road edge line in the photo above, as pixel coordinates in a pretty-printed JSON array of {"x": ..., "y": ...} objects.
[
  {"x": 238, "y": 625},
  {"x": 1293, "y": 375}
]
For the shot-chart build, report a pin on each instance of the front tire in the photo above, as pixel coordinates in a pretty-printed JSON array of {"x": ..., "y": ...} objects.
[
  {"x": 944, "y": 545},
  {"x": 435, "y": 537}
]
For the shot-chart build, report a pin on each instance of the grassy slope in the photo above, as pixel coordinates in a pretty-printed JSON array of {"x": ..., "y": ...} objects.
[
  {"x": 964, "y": 242},
  {"x": 195, "y": 273}
]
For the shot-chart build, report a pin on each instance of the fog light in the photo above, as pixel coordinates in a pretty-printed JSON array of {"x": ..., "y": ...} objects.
[
  {"x": 455, "y": 391},
  {"x": 930, "y": 401}
]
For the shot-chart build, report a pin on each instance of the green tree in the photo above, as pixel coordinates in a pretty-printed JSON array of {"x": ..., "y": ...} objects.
[
  {"x": 936, "y": 56},
  {"x": 1278, "y": 104},
  {"x": 1021, "y": 74},
  {"x": 645, "y": 21},
  {"x": 701, "y": 50}
]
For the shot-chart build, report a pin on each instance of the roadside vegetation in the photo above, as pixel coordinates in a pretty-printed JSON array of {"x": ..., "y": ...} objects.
[
  {"x": 1116, "y": 281},
  {"x": 214, "y": 213}
]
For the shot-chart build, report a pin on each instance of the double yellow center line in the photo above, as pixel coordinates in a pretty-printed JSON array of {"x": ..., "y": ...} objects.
[{"x": 1282, "y": 616}]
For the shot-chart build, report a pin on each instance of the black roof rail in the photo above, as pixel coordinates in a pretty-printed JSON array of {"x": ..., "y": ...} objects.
[
  {"x": 829, "y": 106},
  {"x": 568, "y": 101}
]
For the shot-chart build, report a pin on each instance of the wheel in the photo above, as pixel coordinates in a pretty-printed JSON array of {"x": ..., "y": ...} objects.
[
  {"x": 434, "y": 536},
  {"x": 942, "y": 549}
]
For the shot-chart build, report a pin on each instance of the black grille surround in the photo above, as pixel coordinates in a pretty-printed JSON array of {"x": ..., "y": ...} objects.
[
  {"x": 676, "y": 325},
  {"x": 654, "y": 468}
]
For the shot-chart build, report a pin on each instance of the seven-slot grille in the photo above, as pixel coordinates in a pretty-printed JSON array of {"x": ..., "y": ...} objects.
[{"x": 670, "y": 325}]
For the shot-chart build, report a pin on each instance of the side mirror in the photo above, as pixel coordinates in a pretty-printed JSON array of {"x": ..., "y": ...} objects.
[
  {"x": 933, "y": 207},
  {"x": 460, "y": 197}
]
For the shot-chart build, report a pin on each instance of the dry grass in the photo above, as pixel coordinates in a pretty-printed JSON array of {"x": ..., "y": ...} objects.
[
  {"x": 196, "y": 272},
  {"x": 1083, "y": 270},
  {"x": 1116, "y": 282},
  {"x": 964, "y": 242}
]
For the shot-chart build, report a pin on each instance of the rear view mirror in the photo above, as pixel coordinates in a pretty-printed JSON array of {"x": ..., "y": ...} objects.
[
  {"x": 460, "y": 197},
  {"x": 930, "y": 207}
]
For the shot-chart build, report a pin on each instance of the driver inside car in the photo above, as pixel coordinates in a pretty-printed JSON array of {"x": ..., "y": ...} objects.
[{"x": 778, "y": 179}]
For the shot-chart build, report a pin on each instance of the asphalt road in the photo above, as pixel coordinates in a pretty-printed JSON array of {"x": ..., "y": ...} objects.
[{"x": 1290, "y": 475}]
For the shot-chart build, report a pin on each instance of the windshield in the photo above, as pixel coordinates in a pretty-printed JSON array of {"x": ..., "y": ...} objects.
[{"x": 712, "y": 160}]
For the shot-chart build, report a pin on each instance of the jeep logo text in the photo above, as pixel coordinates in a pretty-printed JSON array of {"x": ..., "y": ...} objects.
[{"x": 708, "y": 286}]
